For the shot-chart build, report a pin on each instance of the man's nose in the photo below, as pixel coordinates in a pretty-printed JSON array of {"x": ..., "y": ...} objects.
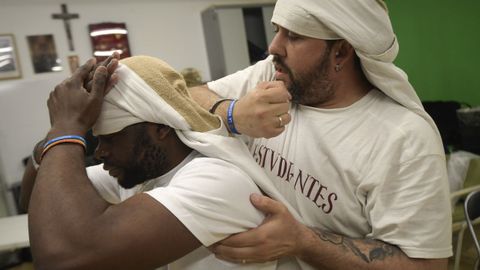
[{"x": 277, "y": 45}]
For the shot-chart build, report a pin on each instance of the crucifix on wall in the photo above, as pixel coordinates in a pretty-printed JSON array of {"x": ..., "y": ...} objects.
[{"x": 66, "y": 17}]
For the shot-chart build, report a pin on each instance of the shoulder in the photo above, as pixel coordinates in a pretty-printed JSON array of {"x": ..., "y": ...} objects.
[
  {"x": 404, "y": 128},
  {"x": 214, "y": 173},
  {"x": 211, "y": 198}
]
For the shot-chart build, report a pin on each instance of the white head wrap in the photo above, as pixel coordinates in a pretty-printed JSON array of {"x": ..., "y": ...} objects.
[
  {"x": 366, "y": 26},
  {"x": 148, "y": 90}
]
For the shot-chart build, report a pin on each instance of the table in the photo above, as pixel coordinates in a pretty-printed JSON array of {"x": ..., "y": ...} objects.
[{"x": 14, "y": 232}]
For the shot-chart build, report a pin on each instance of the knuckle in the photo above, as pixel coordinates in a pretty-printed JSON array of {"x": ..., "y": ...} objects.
[
  {"x": 261, "y": 114},
  {"x": 58, "y": 87},
  {"x": 262, "y": 85},
  {"x": 282, "y": 210},
  {"x": 67, "y": 84},
  {"x": 284, "y": 106}
]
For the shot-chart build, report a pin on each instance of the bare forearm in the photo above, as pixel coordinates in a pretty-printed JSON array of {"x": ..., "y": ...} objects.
[
  {"x": 63, "y": 194},
  {"x": 203, "y": 96},
  {"x": 29, "y": 175},
  {"x": 206, "y": 98},
  {"x": 331, "y": 251},
  {"x": 28, "y": 181}
]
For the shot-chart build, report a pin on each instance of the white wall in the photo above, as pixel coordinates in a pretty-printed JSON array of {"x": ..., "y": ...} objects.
[{"x": 168, "y": 29}]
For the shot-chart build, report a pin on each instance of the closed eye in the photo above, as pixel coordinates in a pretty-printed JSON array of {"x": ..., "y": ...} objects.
[{"x": 293, "y": 36}]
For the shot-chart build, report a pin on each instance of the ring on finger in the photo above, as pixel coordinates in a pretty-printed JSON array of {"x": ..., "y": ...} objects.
[{"x": 280, "y": 121}]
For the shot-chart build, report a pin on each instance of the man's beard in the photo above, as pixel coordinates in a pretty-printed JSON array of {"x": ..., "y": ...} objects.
[
  {"x": 311, "y": 88},
  {"x": 147, "y": 162}
]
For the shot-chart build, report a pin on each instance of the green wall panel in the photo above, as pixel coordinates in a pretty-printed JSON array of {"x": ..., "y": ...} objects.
[{"x": 439, "y": 47}]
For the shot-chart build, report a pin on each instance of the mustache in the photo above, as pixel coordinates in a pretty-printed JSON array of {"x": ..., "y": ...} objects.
[{"x": 278, "y": 62}]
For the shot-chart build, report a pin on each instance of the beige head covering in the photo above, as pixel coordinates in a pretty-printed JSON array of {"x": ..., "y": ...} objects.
[
  {"x": 145, "y": 84},
  {"x": 366, "y": 26},
  {"x": 148, "y": 90}
]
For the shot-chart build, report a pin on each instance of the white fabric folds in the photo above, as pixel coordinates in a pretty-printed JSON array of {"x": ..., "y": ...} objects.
[
  {"x": 148, "y": 90},
  {"x": 366, "y": 26}
]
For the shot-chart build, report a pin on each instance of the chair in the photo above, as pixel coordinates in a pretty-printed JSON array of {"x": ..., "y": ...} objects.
[
  {"x": 459, "y": 225},
  {"x": 472, "y": 213}
]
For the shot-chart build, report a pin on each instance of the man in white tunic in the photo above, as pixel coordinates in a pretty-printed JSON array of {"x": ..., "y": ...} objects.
[
  {"x": 343, "y": 136},
  {"x": 163, "y": 195}
]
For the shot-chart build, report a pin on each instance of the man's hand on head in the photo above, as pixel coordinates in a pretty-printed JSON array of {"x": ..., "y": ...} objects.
[
  {"x": 111, "y": 63},
  {"x": 73, "y": 109}
]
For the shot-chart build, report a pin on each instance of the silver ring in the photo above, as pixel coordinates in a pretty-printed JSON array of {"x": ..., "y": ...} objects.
[
  {"x": 280, "y": 121},
  {"x": 244, "y": 261}
]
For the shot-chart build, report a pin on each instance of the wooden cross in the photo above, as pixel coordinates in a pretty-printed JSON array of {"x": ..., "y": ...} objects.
[{"x": 66, "y": 17}]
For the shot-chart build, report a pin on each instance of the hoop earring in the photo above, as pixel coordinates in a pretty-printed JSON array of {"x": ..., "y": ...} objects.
[{"x": 338, "y": 67}]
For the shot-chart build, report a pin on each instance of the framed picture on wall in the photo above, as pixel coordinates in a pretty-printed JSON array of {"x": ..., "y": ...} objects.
[
  {"x": 9, "y": 63},
  {"x": 73, "y": 62},
  {"x": 44, "y": 54},
  {"x": 107, "y": 38}
]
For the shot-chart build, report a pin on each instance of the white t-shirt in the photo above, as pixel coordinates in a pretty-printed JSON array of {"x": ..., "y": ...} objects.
[
  {"x": 372, "y": 169},
  {"x": 208, "y": 195}
]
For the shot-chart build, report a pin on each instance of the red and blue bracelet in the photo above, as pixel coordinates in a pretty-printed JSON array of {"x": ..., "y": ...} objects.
[{"x": 63, "y": 139}]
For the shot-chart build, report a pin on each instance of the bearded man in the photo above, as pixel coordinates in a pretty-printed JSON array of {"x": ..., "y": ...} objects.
[
  {"x": 172, "y": 181},
  {"x": 343, "y": 136}
]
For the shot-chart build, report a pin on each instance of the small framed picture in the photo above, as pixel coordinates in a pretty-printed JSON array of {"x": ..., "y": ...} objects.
[
  {"x": 73, "y": 62},
  {"x": 9, "y": 63},
  {"x": 44, "y": 54}
]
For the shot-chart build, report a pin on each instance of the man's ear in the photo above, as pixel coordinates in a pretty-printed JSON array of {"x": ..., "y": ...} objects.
[
  {"x": 343, "y": 49},
  {"x": 343, "y": 52}
]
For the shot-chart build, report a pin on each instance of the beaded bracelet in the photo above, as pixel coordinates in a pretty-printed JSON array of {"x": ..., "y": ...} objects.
[
  {"x": 218, "y": 102},
  {"x": 230, "y": 123},
  {"x": 63, "y": 139}
]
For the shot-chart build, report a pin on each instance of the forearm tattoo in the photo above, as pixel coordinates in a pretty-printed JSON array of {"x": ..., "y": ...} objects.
[{"x": 369, "y": 250}]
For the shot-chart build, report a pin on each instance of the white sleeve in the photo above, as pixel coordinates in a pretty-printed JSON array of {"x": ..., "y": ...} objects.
[
  {"x": 239, "y": 83},
  {"x": 411, "y": 208},
  {"x": 105, "y": 184},
  {"x": 211, "y": 198}
]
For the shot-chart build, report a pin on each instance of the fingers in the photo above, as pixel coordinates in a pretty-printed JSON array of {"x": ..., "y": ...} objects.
[
  {"x": 279, "y": 109},
  {"x": 83, "y": 71},
  {"x": 276, "y": 92},
  {"x": 278, "y": 98},
  {"x": 279, "y": 122},
  {"x": 112, "y": 66},
  {"x": 99, "y": 82},
  {"x": 235, "y": 255},
  {"x": 111, "y": 82},
  {"x": 111, "y": 63},
  {"x": 266, "y": 204},
  {"x": 244, "y": 239}
]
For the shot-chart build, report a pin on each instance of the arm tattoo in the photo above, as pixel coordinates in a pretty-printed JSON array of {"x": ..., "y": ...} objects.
[{"x": 369, "y": 250}]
